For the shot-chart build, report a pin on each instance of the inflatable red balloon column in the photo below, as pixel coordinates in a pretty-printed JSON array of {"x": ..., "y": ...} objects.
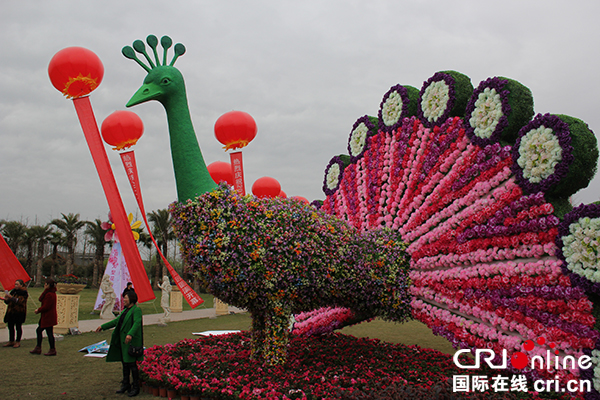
[
  {"x": 266, "y": 187},
  {"x": 236, "y": 129},
  {"x": 76, "y": 72},
  {"x": 221, "y": 172}
]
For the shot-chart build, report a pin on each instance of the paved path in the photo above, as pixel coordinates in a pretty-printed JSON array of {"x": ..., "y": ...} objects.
[{"x": 90, "y": 325}]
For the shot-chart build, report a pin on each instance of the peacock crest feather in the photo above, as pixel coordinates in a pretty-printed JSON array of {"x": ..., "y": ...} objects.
[{"x": 152, "y": 41}]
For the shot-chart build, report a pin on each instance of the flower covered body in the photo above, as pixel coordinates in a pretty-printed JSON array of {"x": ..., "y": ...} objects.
[{"x": 276, "y": 257}]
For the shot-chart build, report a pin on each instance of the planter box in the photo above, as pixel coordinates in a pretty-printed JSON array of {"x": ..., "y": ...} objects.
[{"x": 69, "y": 288}]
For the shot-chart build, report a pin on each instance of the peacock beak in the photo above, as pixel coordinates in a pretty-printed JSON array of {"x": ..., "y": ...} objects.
[{"x": 148, "y": 91}]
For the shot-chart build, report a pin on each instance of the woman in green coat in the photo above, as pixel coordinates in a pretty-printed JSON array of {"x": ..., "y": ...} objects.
[{"x": 128, "y": 332}]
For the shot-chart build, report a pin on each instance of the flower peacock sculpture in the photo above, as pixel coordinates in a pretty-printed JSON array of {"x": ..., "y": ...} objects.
[
  {"x": 467, "y": 181},
  {"x": 273, "y": 257}
]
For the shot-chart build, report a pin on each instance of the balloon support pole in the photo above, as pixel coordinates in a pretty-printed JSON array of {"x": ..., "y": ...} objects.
[{"x": 83, "y": 107}]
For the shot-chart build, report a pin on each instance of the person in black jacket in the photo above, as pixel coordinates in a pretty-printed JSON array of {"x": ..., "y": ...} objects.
[
  {"x": 16, "y": 312},
  {"x": 128, "y": 288}
]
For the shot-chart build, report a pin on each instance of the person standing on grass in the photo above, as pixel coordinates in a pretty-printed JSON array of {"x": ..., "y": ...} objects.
[
  {"x": 128, "y": 333},
  {"x": 16, "y": 312},
  {"x": 48, "y": 318}
]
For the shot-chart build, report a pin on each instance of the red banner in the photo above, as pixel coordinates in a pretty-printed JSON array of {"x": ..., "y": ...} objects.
[
  {"x": 128, "y": 158},
  {"x": 10, "y": 268},
  {"x": 238, "y": 172},
  {"x": 115, "y": 204}
]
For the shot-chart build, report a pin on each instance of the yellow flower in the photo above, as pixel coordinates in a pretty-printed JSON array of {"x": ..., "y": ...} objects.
[{"x": 135, "y": 225}]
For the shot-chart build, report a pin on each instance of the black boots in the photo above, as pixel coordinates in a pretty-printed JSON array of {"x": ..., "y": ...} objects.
[
  {"x": 135, "y": 389},
  {"x": 125, "y": 386},
  {"x": 135, "y": 385}
]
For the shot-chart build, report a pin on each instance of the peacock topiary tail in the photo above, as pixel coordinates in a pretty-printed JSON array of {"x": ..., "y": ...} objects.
[{"x": 478, "y": 194}]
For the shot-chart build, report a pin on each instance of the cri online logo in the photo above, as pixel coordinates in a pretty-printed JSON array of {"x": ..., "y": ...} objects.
[{"x": 520, "y": 360}]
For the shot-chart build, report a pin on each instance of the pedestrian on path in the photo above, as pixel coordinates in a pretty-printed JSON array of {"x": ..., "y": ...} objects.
[
  {"x": 126, "y": 338},
  {"x": 16, "y": 312},
  {"x": 48, "y": 318}
]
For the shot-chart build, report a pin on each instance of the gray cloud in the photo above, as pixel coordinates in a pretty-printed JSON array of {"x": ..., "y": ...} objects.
[{"x": 304, "y": 70}]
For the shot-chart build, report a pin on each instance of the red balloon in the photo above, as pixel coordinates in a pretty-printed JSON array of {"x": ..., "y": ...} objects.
[
  {"x": 300, "y": 199},
  {"x": 282, "y": 194},
  {"x": 75, "y": 71},
  {"x": 266, "y": 187},
  {"x": 221, "y": 171},
  {"x": 122, "y": 129},
  {"x": 235, "y": 129}
]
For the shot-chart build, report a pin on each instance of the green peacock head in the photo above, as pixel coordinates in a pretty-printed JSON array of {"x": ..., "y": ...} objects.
[{"x": 163, "y": 82}]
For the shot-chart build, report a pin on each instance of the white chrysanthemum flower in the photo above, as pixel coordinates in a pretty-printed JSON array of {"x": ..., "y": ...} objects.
[
  {"x": 487, "y": 113},
  {"x": 392, "y": 109},
  {"x": 358, "y": 139},
  {"x": 580, "y": 248},
  {"x": 540, "y": 153},
  {"x": 333, "y": 176},
  {"x": 435, "y": 100}
]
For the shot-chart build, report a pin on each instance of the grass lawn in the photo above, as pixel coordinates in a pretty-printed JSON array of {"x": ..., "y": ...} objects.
[{"x": 72, "y": 376}]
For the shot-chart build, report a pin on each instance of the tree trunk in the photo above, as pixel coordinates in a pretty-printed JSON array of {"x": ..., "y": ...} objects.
[
  {"x": 158, "y": 270},
  {"x": 54, "y": 256},
  {"x": 70, "y": 259},
  {"x": 40, "y": 261},
  {"x": 165, "y": 251},
  {"x": 29, "y": 262}
]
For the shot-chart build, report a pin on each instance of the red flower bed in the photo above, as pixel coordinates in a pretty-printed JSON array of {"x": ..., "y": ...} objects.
[{"x": 331, "y": 366}]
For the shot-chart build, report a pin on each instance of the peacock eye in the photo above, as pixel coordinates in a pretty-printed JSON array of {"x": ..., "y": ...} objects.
[{"x": 165, "y": 81}]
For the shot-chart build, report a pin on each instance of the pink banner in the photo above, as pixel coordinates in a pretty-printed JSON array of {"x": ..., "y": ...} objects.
[
  {"x": 10, "y": 268},
  {"x": 116, "y": 269},
  {"x": 237, "y": 167},
  {"x": 132, "y": 255},
  {"x": 128, "y": 158}
]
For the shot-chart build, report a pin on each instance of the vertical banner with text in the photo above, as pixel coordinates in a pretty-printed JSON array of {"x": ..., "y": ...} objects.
[
  {"x": 128, "y": 158},
  {"x": 238, "y": 172}
]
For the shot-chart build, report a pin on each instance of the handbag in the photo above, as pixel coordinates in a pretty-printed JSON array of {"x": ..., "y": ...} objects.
[{"x": 136, "y": 351}]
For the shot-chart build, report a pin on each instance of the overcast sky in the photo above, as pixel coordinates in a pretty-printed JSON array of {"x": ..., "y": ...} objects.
[{"x": 305, "y": 70}]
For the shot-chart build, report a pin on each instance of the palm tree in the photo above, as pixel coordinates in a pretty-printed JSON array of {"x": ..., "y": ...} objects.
[
  {"x": 41, "y": 235},
  {"x": 56, "y": 240},
  {"x": 96, "y": 234},
  {"x": 14, "y": 233},
  {"x": 162, "y": 229},
  {"x": 69, "y": 225}
]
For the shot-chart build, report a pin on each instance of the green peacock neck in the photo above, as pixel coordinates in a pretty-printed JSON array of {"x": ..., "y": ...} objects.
[{"x": 191, "y": 175}]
